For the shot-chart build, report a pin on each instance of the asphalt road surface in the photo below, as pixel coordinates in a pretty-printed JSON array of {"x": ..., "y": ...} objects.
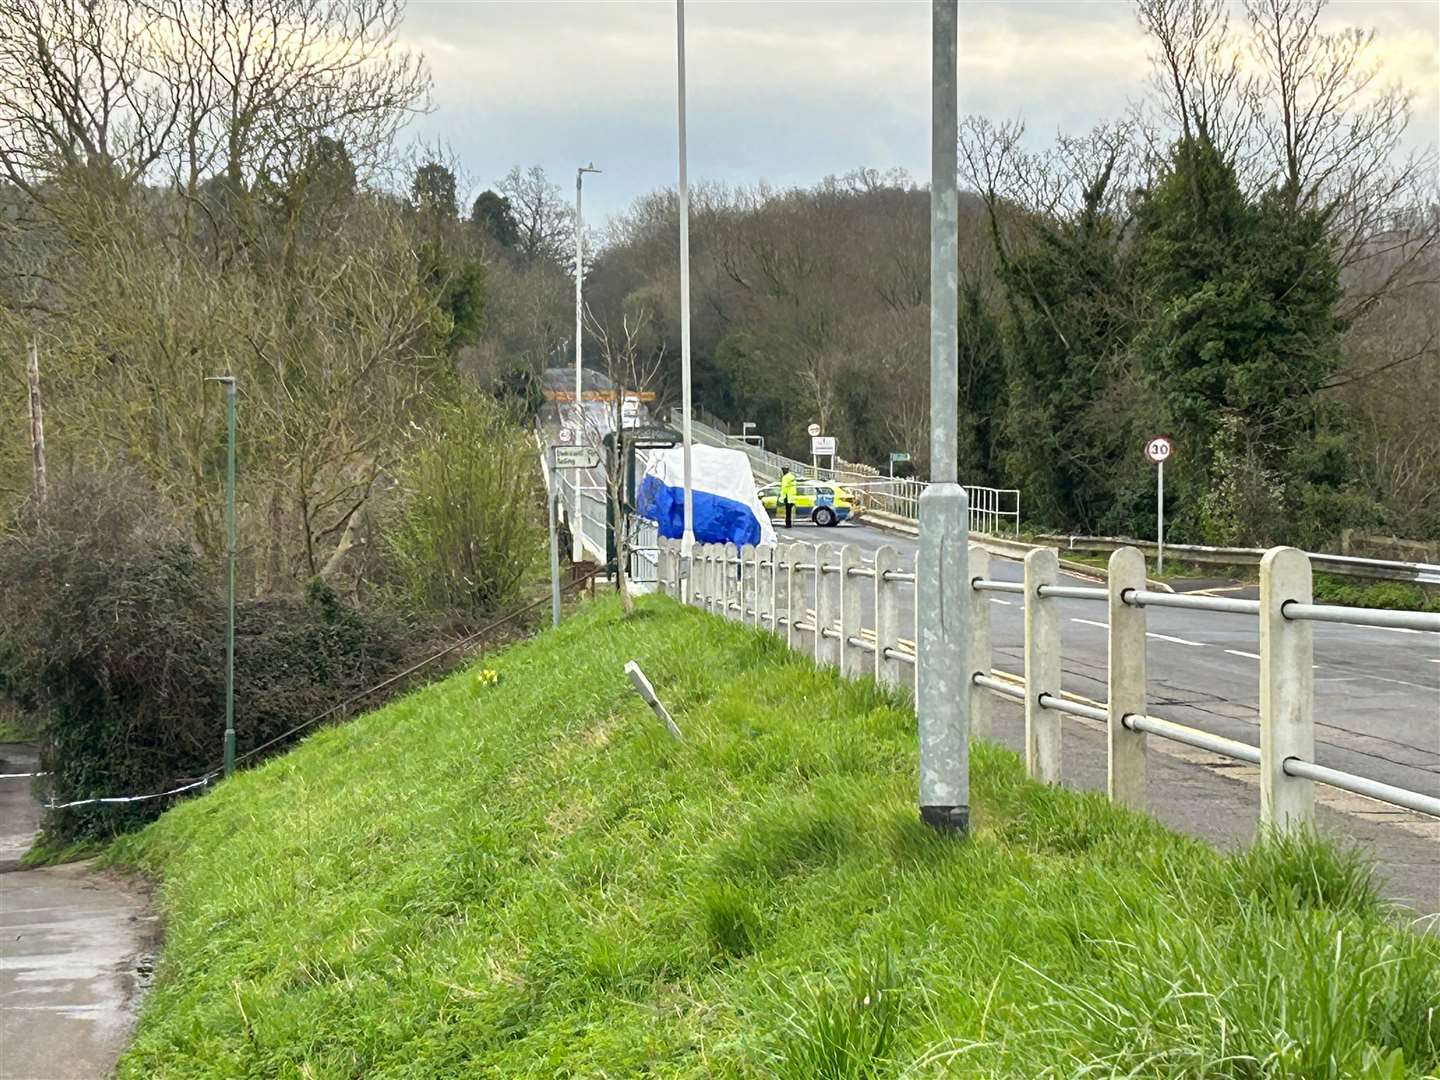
[{"x": 1377, "y": 692}]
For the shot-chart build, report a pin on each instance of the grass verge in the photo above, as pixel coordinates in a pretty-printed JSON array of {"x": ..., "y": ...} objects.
[{"x": 531, "y": 879}]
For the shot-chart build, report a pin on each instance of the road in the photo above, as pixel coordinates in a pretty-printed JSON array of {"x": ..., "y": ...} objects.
[{"x": 1377, "y": 692}]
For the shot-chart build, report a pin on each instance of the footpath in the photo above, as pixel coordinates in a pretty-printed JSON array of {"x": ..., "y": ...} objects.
[{"x": 75, "y": 951}]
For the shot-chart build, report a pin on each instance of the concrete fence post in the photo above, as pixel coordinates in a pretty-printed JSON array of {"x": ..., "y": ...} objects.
[
  {"x": 1287, "y": 690},
  {"x": 852, "y": 657},
  {"x": 1125, "y": 693},
  {"x": 734, "y": 594},
  {"x": 1042, "y": 667},
  {"x": 764, "y": 585},
  {"x": 977, "y": 646},
  {"x": 887, "y": 617},
  {"x": 792, "y": 580},
  {"x": 712, "y": 577},
  {"x": 824, "y": 610},
  {"x": 746, "y": 614}
]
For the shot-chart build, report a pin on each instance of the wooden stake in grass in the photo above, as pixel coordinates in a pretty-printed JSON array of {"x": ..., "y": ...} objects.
[{"x": 646, "y": 691}]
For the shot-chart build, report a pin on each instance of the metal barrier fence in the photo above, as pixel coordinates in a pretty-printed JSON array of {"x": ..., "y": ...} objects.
[
  {"x": 820, "y": 598},
  {"x": 592, "y": 524},
  {"x": 994, "y": 511}
]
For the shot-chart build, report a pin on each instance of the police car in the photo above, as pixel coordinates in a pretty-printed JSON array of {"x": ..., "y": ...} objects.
[{"x": 825, "y": 502}]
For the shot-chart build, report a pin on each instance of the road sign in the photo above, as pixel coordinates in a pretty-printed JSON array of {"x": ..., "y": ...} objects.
[
  {"x": 575, "y": 457},
  {"x": 899, "y": 456},
  {"x": 567, "y": 436},
  {"x": 813, "y": 429},
  {"x": 822, "y": 445},
  {"x": 1157, "y": 450}
]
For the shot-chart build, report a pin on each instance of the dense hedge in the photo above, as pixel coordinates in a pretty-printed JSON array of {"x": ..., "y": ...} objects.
[{"x": 115, "y": 629}]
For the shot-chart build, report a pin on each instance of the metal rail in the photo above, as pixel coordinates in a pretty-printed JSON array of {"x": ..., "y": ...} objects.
[
  {"x": 1224, "y": 604},
  {"x": 1362, "y": 785},
  {"x": 1354, "y": 616},
  {"x": 1201, "y": 740}
]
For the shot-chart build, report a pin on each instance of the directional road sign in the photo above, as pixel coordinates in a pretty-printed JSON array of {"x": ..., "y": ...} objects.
[{"x": 576, "y": 457}]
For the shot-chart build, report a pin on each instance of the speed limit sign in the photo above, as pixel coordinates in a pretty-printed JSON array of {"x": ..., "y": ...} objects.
[
  {"x": 1158, "y": 449},
  {"x": 567, "y": 436},
  {"x": 813, "y": 429}
]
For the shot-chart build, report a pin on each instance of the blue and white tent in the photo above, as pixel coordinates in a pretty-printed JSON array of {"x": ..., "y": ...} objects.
[{"x": 727, "y": 510}]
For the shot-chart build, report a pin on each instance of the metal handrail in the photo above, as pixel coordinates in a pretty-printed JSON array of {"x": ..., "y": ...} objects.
[
  {"x": 1225, "y": 604},
  {"x": 1356, "y": 616}
]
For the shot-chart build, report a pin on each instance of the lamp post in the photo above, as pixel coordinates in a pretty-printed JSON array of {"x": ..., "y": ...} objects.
[
  {"x": 687, "y": 541},
  {"x": 942, "y": 579},
  {"x": 228, "y": 381},
  {"x": 576, "y": 551}
]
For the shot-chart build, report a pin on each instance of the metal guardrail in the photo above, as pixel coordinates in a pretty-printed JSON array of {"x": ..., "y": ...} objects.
[
  {"x": 769, "y": 588},
  {"x": 592, "y": 526},
  {"x": 1349, "y": 565},
  {"x": 993, "y": 511}
]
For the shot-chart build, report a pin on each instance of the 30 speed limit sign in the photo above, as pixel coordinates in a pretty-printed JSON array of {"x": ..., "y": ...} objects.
[{"x": 1158, "y": 449}]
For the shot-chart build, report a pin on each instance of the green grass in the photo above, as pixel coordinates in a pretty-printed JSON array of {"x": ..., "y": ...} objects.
[
  {"x": 533, "y": 880},
  {"x": 1334, "y": 589}
]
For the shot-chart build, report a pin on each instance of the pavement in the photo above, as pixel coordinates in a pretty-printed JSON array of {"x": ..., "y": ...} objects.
[{"x": 76, "y": 948}]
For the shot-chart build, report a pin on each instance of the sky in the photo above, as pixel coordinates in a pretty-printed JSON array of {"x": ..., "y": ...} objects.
[{"x": 787, "y": 91}]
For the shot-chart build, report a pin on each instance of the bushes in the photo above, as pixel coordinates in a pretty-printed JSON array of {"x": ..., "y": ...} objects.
[
  {"x": 114, "y": 628},
  {"x": 470, "y": 531}
]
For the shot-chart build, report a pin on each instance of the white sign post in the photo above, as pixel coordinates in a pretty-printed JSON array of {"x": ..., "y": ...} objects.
[{"x": 1157, "y": 450}]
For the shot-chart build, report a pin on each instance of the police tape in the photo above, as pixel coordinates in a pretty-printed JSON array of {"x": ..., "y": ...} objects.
[{"x": 113, "y": 799}]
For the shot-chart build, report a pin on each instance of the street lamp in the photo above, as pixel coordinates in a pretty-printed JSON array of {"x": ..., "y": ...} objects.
[
  {"x": 687, "y": 540},
  {"x": 228, "y": 382},
  {"x": 576, "y": 551}
]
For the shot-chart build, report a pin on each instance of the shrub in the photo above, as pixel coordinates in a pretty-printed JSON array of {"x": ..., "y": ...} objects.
[
  {"x": 114, "y": 628},
  {"x": 470, "y": 530}
]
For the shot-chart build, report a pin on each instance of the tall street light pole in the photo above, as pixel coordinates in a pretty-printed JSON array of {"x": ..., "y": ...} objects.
[
  {"x": 228, "y": 381},
  {"x": 942, "y": 579},
  {"x": 687, "y": 542},
  {"x": 576, "y": 551}
]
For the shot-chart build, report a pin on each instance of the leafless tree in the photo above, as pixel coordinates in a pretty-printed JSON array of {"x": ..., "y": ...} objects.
[
  {"x": 633, "y": 368},
  {"x": 545, "y": 218}
]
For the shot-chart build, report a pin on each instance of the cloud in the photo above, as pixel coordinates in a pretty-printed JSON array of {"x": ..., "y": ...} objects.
[{"x": 790, "y": 91}]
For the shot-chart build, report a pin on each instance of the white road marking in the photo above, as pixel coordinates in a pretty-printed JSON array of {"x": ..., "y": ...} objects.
[
  {"x": 1397, "y": 682},
  {"x": 1397, "y": 629},
  {"x": 1176, "y": 640},
  {"x": 1006, "y": 603},
  {"x": 1092, "y": 622},
  {"x": 1247, "y": 655}
]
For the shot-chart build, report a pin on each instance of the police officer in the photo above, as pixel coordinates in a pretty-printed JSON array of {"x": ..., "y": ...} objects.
[{"x": 787, "y": 496}]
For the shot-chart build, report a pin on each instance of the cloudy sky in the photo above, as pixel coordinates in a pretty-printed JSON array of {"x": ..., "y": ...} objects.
[{"x": 789, "y": 91}]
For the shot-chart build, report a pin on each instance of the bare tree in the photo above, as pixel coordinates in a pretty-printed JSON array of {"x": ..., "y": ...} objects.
[
  {"x": 633, "y": 368},
  {"x": 544, "y": 217}
]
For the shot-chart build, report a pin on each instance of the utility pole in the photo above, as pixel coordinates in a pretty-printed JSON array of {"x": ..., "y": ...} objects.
[
  {"x": 687, "y": 541},
  {"x": 228, "y": 381},
  {"x": 576, "y": 551},
  {"x": 942, "y": 569},
  {"x": 37, "y": 425}
]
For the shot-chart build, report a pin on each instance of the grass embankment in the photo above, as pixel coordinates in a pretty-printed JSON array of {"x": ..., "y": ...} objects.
[{"x": 531, "y": 879}]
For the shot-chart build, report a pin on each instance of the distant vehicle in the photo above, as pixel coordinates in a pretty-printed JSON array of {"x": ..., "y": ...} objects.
[{"x": 827, "y": 503}]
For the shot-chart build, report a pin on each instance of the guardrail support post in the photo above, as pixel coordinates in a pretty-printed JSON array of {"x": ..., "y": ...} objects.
[
  {"x": 749, "y": 587},
  {"x": 825, "y": 609},
  {"x": 1042, "y": 668},
  {"x": 977, "y": 648},
  {"x": 1126, "y": 691},
  {"x": 1287, "y": 690},
  {"x": 764, "y": 586},
  {"x": 734, "y": 583},
  {"x": 887, "y": 617},
  {"x": 852, "y": 657},
  {"x": 792, "y": 556}
]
